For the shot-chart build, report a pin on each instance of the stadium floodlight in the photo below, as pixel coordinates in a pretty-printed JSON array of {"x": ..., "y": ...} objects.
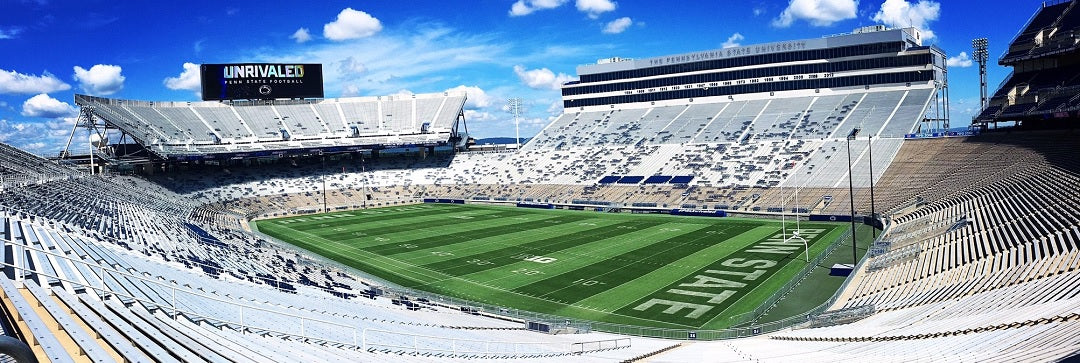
[
  {"x": 979, "y": 45},
  {"x": 854, "y": 132},
  {"x": 515, "y": 106}
]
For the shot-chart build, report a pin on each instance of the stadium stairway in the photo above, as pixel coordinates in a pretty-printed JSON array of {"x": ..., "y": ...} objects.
[{"x": 646, "y": 356}]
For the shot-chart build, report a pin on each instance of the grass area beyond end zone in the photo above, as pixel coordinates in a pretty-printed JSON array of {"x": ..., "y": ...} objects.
[{"x": 646, "y": 270}]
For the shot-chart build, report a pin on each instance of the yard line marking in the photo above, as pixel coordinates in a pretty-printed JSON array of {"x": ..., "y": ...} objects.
[
  {"x": 415, "y": 274},
  {"x": 449, "y": 277}
]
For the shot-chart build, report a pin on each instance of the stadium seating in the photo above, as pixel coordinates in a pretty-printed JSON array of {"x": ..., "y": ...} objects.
[
  {"x": 1039, "y": 93},
  {"x": 186, "y": 128},
  {"x": 1021, "y": 236},
  {"x": 723, "y": 156},
  {"x": 120, "y": 286},
  {"x": 979, "y": 260}
]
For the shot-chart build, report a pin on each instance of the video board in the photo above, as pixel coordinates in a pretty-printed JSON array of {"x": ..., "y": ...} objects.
[{"x": 248, "y": 81}]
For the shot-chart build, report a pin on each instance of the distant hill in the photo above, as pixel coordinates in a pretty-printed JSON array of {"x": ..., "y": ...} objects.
[{"x": 499, "y": 140}]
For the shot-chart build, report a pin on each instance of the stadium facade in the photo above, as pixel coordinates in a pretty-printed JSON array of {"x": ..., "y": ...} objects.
[
  {"x": 870, "y": 57},
  {"x": 978, "y": 257}
]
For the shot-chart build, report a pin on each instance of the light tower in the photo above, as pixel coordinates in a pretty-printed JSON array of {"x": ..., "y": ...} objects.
[
  {"x": 981, "y": 55},
  {"x": 851, "y": 197},
  {"x": 515, "y": 106}
]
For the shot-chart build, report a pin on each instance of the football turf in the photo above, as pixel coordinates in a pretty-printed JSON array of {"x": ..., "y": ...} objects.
[{"x": 646, "y": 270}]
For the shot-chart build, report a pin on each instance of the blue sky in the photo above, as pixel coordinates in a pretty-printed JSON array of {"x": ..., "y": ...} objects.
[{"x": 494, "y": 49}]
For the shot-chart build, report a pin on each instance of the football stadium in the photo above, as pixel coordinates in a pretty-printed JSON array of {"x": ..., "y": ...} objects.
[{"x": 803, "y": 200}]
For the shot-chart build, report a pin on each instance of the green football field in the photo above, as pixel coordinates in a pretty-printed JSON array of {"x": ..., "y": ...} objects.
[{"x": 648, "y": 270}]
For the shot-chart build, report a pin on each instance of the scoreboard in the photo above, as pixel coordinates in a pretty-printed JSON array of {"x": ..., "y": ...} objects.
[{"x": 252, "y": 81}]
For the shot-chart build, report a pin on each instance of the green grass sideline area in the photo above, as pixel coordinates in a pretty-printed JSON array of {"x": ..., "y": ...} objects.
[{"x": 652, "y": 270}]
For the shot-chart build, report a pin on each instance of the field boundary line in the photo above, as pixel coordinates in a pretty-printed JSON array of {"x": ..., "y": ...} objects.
[
  {"x": 448, "y": 277},
  {"x": 639, "y": 260}
]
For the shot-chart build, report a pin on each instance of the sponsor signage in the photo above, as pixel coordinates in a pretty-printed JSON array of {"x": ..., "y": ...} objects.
[
  {"x": 829, "y": 218},
  {"x": 244, "y": 81},
  {"x": 535, "y": 205},
  {"x": 444, "y": 201},
  {"x": 936, "y": 135},
  {"x": 698, "y": 212}
]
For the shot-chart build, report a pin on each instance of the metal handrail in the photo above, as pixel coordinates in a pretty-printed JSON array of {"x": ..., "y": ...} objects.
[
  {"x": 455, "y": 350},
  {"x": 17, "y": 349}
]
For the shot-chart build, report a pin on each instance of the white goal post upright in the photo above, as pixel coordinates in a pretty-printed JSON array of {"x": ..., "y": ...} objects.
[
  {"x": 795, "y": 235},
  {"x": 783, "y": 220},
  {"x": 783, "y": 211}
]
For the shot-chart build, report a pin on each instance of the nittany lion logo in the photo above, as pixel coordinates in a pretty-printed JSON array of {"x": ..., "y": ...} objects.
[{"x": 264, "y": 90}]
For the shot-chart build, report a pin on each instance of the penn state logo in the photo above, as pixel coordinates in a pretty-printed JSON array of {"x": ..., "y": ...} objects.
[{"x": 264, "y": 90}]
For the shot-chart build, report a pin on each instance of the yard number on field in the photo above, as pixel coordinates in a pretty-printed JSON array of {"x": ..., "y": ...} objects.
[
  {"x": 525, "y": 271},
  {"x": 584, "y": 282},
  {"x": 535, "y": 258}
]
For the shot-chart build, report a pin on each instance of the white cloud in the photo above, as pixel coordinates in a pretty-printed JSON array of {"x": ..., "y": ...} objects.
[
  {"x": 351, "y": 90},
  {"x": 12, "y": 82},
  {"x": 10, "y": 33},
  {"x": 11, "y": 132},
  {"x": 474, "y": 115},
  {"x": 34, "y": 146},
  {"x": 902, "y": 14},
  {"x": 526, "y": 7},
  {"x": 100, "y": 80},
  {"x": 533, "y": 122},
  {"x": 618, "y": 25},
  {"x": 44, "y": 106},
  {"x": 555, "y": 108},
  {"x": 351, "y": 24},
  {"x": 61, "y": 126},
  {"x": 301, "y": 35},
  {"x": 420, "y": 58},
  {"x": 351, "y": 66},
  {"x": 475, "y": 96},
  {"x": 595, "y": 7},
  {"x": 960, "y": 61},
  {"x": 187, "y": 80},
  {"x": 42, "y": 137},
  {"x": 817, "y": 12},
  {"x": 733, "y": 41},
  {"x": 542, "y": 78}
]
